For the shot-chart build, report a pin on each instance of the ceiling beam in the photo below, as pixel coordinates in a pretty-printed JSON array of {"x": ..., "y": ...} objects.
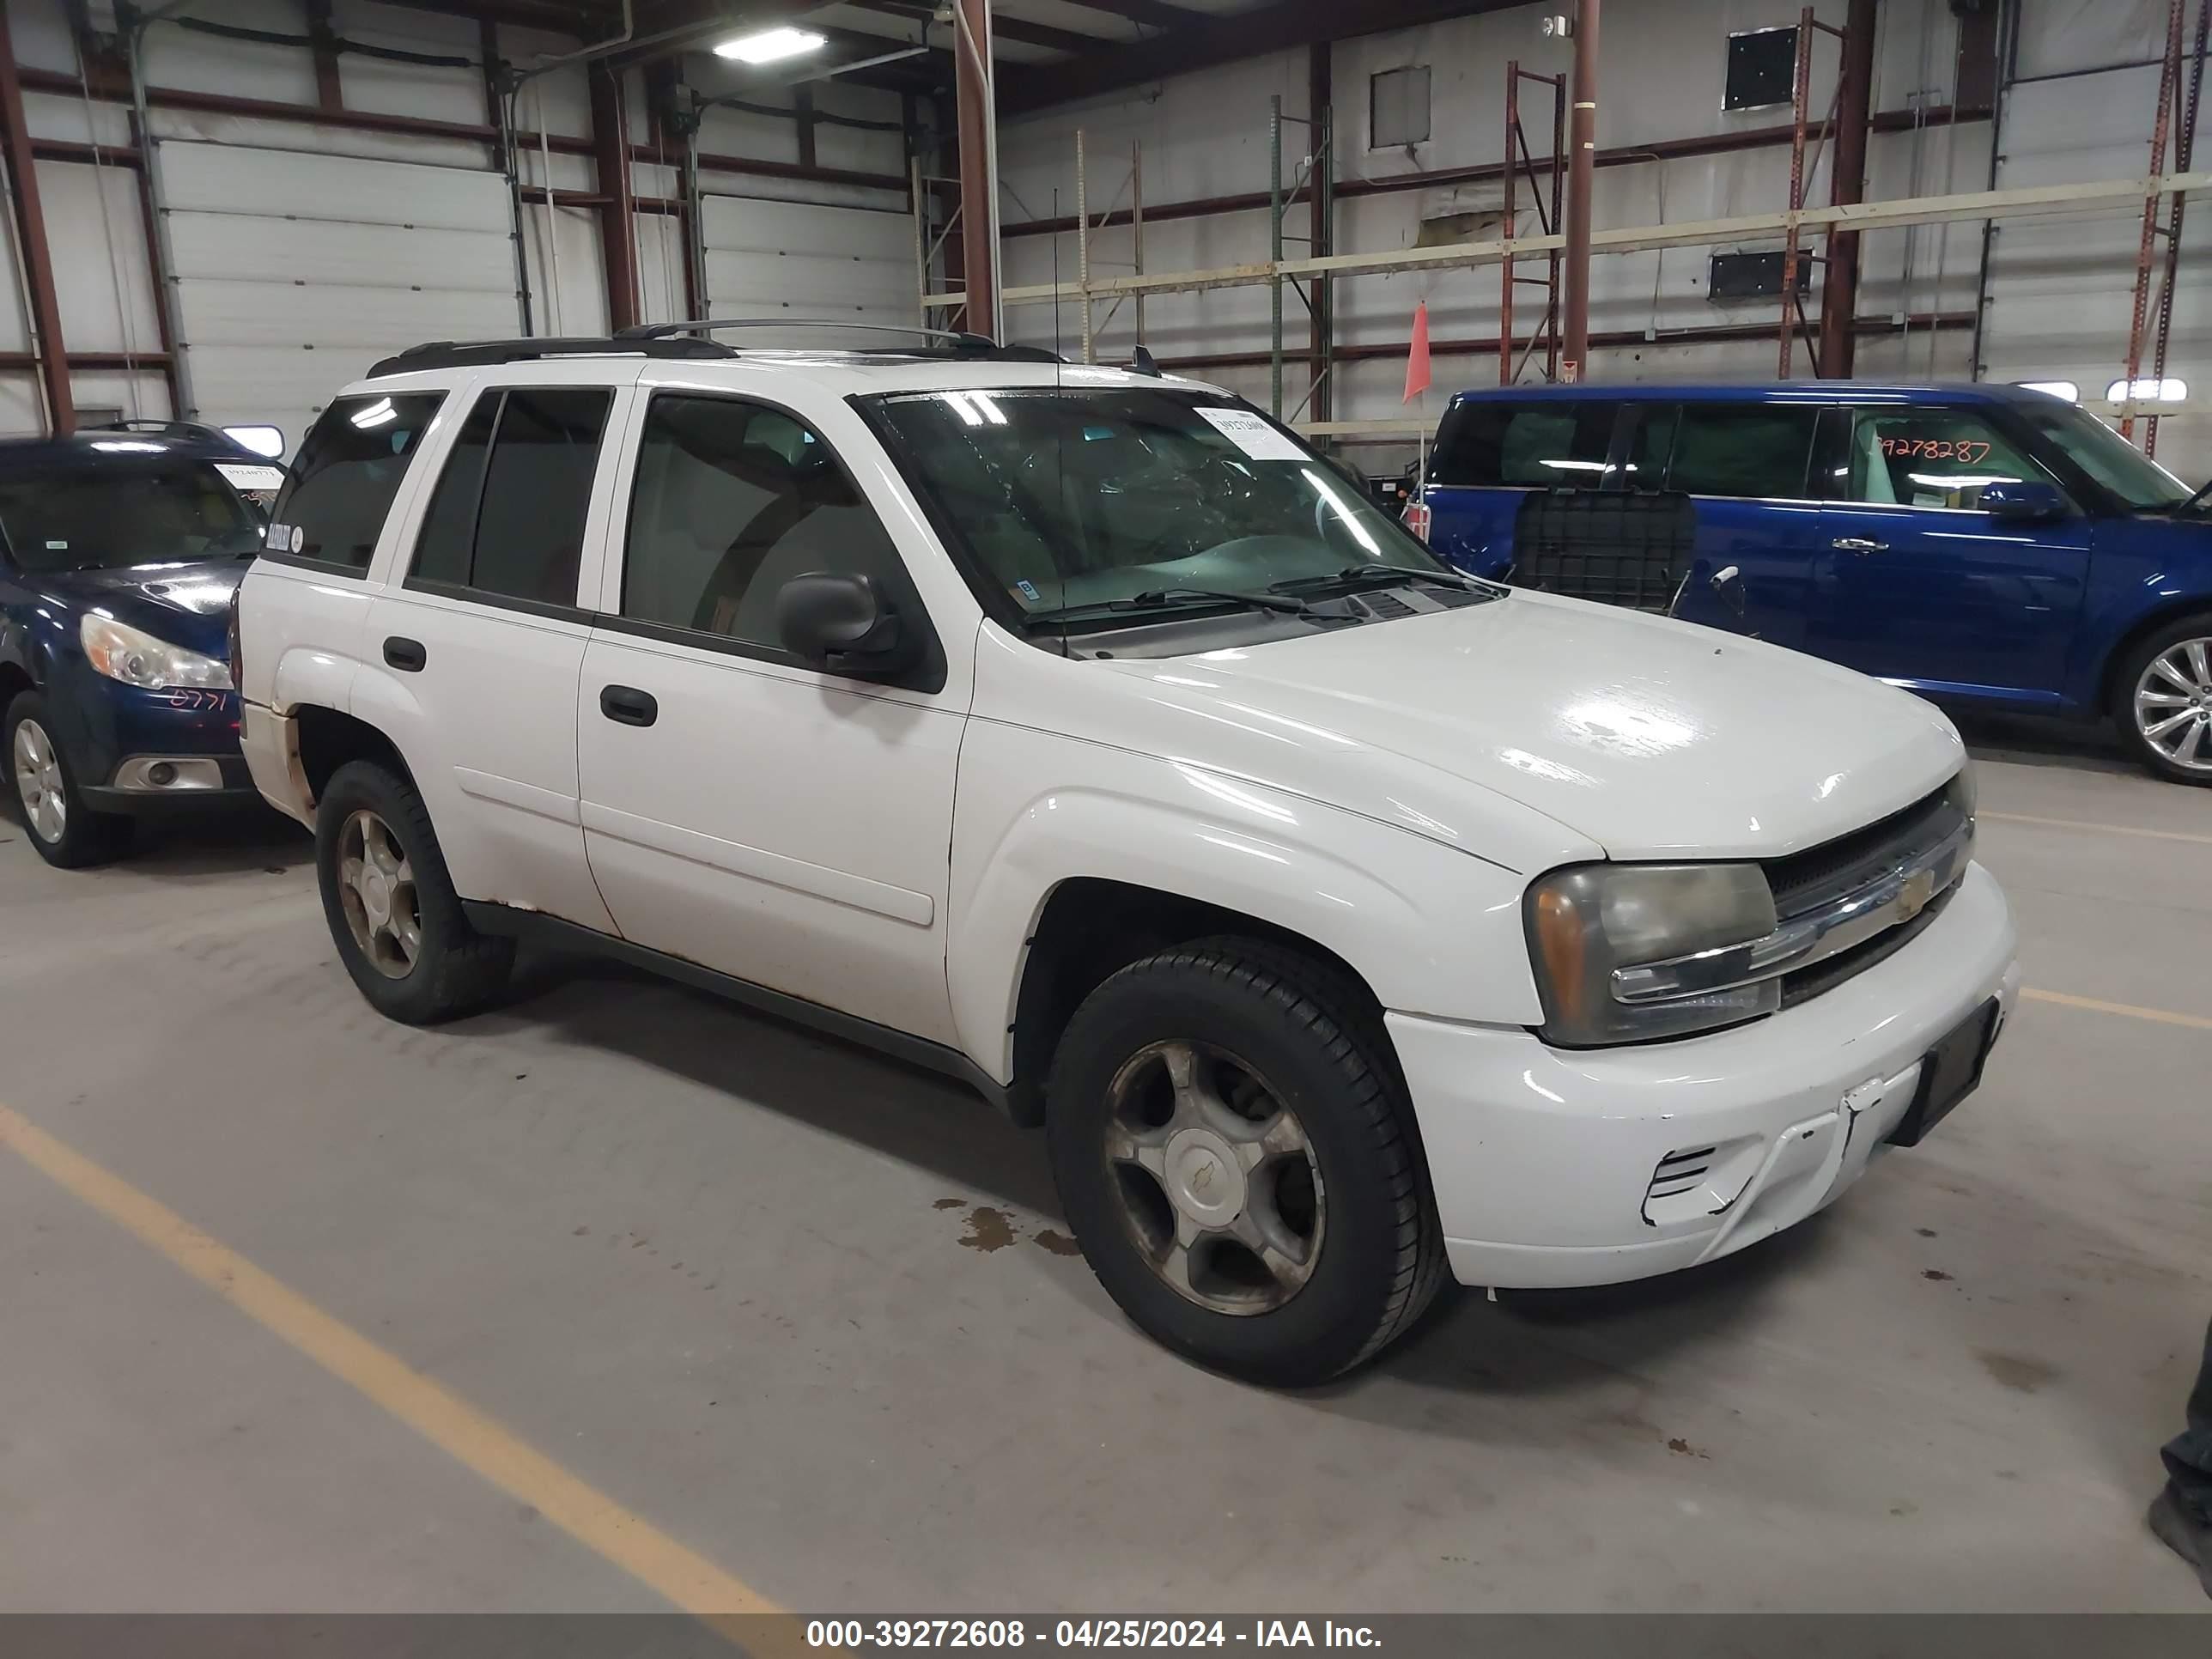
[
  {"x": 1214, "y": 41},
  {"x": 1157, "y": 13},
  {"x": 1009, "y": 28}
]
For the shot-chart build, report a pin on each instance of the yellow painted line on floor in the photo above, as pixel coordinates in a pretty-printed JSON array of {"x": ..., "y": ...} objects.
[
  {"x": 439, "y": 1416},
  {"x": 2127, "y": 1010},
  {"x": 2098, "y": 829}
]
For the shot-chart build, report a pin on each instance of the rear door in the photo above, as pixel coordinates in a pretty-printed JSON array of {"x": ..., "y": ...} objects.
[
  {"x": 1915, "y": 584},
  {"x": 1490, "y": 453},
  {"x": 474, "y": 646},
  {"x": 1744, "y": 465}
]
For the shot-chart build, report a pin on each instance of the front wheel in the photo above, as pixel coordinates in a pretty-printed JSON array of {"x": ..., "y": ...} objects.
[
  {"x": 1235, "y": 1152},
  {"x": 391, "y": 906},
  {"x": 2162, "y": 700},
  {"x": 68, "y": 834}
]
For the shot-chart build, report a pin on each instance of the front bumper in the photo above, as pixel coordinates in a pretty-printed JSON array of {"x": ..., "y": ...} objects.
[
  {"x": 1550, "y": 1167},
  {"x": 118, "y": 738}
]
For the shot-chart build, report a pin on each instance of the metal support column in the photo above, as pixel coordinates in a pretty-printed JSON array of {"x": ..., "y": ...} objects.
[
  {"x": 2184, "y": 151},
  {"x": 1839, "y": 281},
  {"x": 1083, "y": 248},
  {"x": 1320, "y": 109},
  {"x": 979, "y": 164},
  {"x": 37, "y": 262},
  {"x": 1801, "y": 96},
  {"x": 1275, "y": 253},
  {"x": 617, "y": 232},
  {"x": 2169, "y": 81},
  {"x": 1137, "y": 224},
  {"x": 1582, "y": 157},
  {"x": 1520, "y": 160}
]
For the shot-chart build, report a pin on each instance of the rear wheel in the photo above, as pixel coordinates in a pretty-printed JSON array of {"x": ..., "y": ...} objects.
[
  {"x": 1235, "y": 1152},
  {"x": 67, "y": 833},
  {"x": 391, "y": 906},
  {"x": 2162, "y": 700}
]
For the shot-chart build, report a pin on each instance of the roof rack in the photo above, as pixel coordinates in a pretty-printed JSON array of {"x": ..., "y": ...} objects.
[
  {"x": 956, "y": 343},
  {"x": 168, "y": 429},
  {"x": 685, "y": 340},
  {"x": 479, "y": 354}
]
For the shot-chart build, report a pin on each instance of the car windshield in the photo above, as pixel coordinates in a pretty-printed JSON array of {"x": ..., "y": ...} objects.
[
  {"x": 1091, "y": 498},
  {"x": 112, "y": 518},
  {"x": 2141, "y": 482}
]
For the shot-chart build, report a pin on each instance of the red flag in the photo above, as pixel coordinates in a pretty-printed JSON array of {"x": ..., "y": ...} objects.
[{"x": 1416, "y": 359}]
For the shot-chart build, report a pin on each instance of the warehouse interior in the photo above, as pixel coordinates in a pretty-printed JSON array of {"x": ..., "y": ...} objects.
[{"x": 620, "y": 1298}]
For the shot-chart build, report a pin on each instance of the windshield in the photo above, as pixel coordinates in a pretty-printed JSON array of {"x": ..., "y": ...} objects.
[
  {"x": 111, "y": 519},
  {"x": 1082, "y": 497},
  {"x": 2140, "y": 483}
]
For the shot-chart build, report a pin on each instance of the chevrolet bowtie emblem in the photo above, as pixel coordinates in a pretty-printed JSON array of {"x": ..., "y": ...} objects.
[{"x": 1912, "y": 899}]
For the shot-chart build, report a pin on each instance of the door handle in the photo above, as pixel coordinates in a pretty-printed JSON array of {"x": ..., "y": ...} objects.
[
  {"x": 628, "y": 705},
  {"x": 1858, "y": 544},
  {"x": 406, "y": 655}
]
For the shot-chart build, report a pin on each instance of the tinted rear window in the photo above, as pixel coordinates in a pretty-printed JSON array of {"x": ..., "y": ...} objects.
[
  {"x": 348, "y": 471},
  {"x": 1747, "y": 450},
  {"x": 1538, "y": 445}
]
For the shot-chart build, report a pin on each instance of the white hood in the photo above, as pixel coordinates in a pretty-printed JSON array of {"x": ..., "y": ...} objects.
[{"x": 1650, "y": 739}]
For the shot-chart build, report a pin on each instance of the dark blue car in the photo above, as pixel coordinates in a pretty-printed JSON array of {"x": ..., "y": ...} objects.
[
  {"x": 1984, "y": 545},
  {"x": 119, "y": 550}
]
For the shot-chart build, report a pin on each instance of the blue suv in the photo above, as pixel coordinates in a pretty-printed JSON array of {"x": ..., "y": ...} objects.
[
  {"x": 1982, "y": 544},
  {"x": 119, "y": 550}
]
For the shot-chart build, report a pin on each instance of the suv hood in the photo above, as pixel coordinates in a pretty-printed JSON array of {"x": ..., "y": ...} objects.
[
  {"x": 1652, "y": 738},
  {"x": 186, "y": 603}
]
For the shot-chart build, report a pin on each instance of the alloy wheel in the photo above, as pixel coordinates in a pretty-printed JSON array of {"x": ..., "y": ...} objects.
[
  {"x": 2173, "y": 704},
  {"x": 376, "y": 886},
  {"x": 1217, "y": 1181},
  {"x": 38, "y": 783}
]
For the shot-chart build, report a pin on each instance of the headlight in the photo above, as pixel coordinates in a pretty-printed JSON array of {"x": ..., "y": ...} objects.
[
  {"x": 138, "y": 658},
  {"x": 1588, "y": 920},
  {"x": 1962, "y": 791}
]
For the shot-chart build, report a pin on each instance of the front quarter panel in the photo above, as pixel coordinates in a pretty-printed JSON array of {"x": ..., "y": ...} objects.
[
  {"x": 1430, "y": 929},
  {"x": 300, "y": 634}
]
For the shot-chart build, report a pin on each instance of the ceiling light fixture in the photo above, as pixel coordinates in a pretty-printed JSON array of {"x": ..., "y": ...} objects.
[{"x": 771, "y": 46}]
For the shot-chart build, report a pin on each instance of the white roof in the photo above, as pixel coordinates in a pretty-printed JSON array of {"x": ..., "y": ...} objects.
[{"x": 844, "y": 373}]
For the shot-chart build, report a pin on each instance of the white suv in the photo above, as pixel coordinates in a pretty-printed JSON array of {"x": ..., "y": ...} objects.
[{"x": 1081, "y": 733}]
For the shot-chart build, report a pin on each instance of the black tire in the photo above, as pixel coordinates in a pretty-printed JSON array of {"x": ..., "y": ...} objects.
[
  {"x": 86, "y": 837},
  {"x": 456, "y": 970},
  {"x": 2129, "y": 675},
  {"x": 1318, "y": 1043}
]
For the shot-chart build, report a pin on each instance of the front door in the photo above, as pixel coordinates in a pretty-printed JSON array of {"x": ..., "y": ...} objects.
[
  {"x": 471, "y": 660},
  {"x": 743, "y": 810},
  {"x": 1916, "y": 584}
]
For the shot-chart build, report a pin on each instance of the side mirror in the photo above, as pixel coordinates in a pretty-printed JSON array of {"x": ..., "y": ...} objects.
[
  {"x": 2027, "y": 503},
  {"x": 840, "y": 621}
]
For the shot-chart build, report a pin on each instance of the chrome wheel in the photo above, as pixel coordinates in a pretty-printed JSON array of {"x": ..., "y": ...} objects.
[
  {"x": 1216, "y": 1179},
  {"x": 376, "y": 885},
  {"x": 38, "y": 783},
  {"x": 2173, "y": 704}
]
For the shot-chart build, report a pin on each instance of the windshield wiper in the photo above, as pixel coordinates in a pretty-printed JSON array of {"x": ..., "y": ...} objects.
[
  {"x": 2192, "y": 503},
  {"x": 1368, "y": 575},
  {"x": 1168, "y": 598}
]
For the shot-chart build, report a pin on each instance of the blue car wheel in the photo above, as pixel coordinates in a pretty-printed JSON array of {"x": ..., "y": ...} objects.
[{"x": 67, "y": 833}]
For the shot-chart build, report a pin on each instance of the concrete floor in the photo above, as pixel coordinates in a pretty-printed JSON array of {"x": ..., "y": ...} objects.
[{"x": 803, "y": 1310}]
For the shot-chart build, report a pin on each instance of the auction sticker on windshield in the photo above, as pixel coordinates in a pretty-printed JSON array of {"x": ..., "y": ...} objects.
[{"x": 1252, "y": 434}]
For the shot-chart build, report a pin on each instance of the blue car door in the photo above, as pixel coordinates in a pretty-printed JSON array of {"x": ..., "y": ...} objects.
[
  {"x": 1916, "y": 584},
  {"x": 1743, "y": 466}
]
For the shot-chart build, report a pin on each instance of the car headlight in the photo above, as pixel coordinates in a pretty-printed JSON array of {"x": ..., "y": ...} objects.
[
  {"x": 1588, "y": 920},
  {"x": 136, "y": 658}
]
